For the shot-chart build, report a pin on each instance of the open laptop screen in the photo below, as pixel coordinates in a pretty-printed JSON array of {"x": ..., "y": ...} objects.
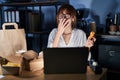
[{"x": 65, "y": 60}]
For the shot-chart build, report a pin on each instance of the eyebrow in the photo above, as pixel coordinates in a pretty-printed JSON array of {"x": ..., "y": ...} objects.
[{"x": 64, "y": 14}]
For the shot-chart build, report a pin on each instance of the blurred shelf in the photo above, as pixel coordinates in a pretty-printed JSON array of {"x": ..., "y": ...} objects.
[{"x": 45, "y": 3}]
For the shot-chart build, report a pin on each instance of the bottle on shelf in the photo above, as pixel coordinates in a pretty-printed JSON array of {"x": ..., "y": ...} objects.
[
  {"x": 109, "y": 21},
  {"x": 92, "y": 25},
  {"x": 113, "y": 25}
]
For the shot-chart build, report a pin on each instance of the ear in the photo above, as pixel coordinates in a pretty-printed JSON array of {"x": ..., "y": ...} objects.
[{"x": 73, "y": 19}]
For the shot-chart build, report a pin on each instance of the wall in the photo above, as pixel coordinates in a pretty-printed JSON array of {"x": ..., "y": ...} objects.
[{"x": 98, "y": 9}]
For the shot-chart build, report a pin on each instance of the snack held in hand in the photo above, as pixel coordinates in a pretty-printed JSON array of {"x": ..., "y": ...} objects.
[{"x": 92, "y": 34}]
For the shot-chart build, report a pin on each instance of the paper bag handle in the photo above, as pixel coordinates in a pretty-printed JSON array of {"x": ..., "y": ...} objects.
[{"x": 10, "y": 24}]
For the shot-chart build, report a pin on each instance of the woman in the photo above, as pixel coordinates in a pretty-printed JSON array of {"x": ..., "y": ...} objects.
[{"x": 66, "y": 35}]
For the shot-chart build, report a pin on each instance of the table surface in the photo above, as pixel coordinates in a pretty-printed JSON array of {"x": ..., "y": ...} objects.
[{"x": 39, "y": 75}]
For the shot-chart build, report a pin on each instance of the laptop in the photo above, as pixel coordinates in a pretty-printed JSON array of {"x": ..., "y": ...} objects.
[{"x": 65, "y": 60}]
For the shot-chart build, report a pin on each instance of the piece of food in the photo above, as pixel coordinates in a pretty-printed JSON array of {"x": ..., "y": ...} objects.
[
  {"x": 12, "y": 64},
  {"x": 92, "y": 34}
]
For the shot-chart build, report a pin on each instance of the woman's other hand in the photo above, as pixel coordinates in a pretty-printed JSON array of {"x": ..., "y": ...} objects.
[{"x": 91, "y": 40}]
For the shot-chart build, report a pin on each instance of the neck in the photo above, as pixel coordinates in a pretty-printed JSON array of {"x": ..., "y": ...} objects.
[{"x": 67, "y": 33}]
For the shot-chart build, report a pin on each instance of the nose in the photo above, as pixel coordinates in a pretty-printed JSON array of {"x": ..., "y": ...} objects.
[{"x": 64, "y": 16}]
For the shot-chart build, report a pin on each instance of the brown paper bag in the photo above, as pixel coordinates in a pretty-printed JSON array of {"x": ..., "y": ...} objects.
[
  {"x": 36, "y": 64},
  {"x": 12, "y": 40},
  {"x": 30, "y": 55}
]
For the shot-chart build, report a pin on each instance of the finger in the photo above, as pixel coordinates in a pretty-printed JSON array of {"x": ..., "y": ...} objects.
[
  {"x": 63, "y": 21},
  {"x": 93, "y": 39},
  {"x": 89, "y": 44},
  {"x": 66, "y": 23}
]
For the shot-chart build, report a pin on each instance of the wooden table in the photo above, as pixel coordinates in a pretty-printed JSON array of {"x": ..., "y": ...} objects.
[{"x": 39, "y": 75}]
